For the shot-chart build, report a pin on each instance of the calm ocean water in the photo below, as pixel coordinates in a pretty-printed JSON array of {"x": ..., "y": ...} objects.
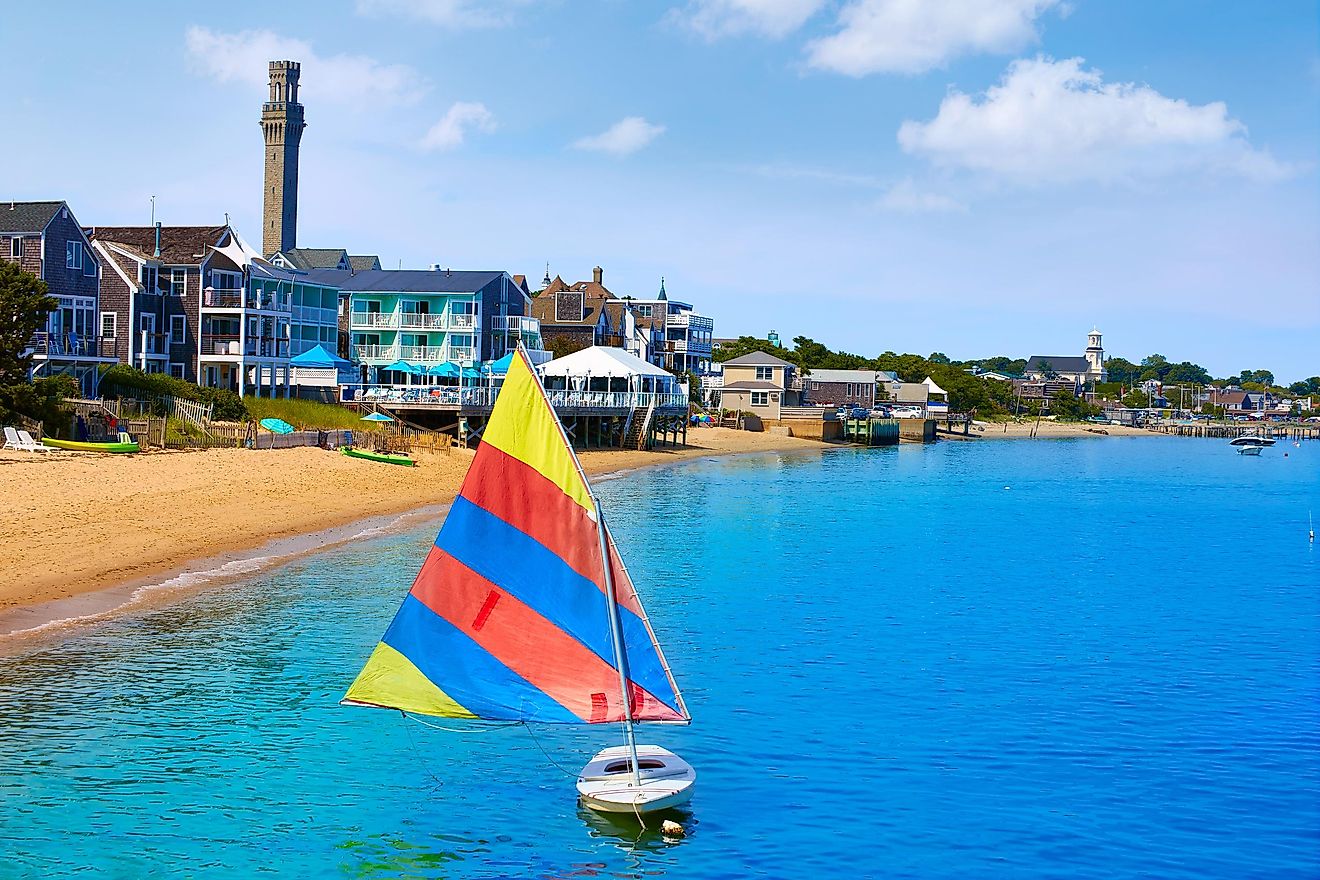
[{"x": 1071, "y": 658}]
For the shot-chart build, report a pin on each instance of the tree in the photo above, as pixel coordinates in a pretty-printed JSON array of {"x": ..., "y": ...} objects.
[
  {"x": 1136, "y": 399},
  {"x": 748, "y": 344},
  {"x": 1070, "y": 407},
  {"x": 1122, "y": 370},
  {"x": 560, "y": 346},
  {"x": 1306, "y": 386},
  {"x": 24, "y": 308},
  {"x": 1047, "y": 370},
  {"x": 1263, "y": 377},
  {"x": 938, "y": 357}
]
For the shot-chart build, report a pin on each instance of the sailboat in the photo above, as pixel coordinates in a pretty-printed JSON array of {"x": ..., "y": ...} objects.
[{"x": 523, "y": 611}]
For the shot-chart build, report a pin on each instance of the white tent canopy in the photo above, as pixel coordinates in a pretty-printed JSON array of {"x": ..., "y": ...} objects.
[
  {"x": 932, "y": 388},
  {"x": 601, "y": 361},
  {"x": 613, "y": 371}
]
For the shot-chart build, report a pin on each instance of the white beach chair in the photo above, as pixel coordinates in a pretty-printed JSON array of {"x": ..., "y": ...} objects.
[
  {"x": 32, "y": 445},
  {"x": 12, "y": 440}
]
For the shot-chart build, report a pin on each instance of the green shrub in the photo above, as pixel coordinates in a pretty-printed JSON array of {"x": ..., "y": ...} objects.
[{"x": 122, "y": 380}]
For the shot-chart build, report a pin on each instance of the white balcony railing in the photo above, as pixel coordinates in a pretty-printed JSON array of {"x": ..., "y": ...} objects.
[
  {"x": 422, "y": 354},
  {"x": 239, "y": 298},
  {"x": 517, "y": 324},
  {"x": 370, "y": 320},
  {"x": 462, "y": 322},
  {"x": 376, "y": 352},
  {"x": 314, "y": 315},
  {"x": 427, "y": 321},
  {"x": 460, "y": 354},
  {"x": 484, "y": 395}
]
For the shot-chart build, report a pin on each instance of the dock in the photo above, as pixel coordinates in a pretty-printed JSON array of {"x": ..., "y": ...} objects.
[{"x": 1230, "y": 431}]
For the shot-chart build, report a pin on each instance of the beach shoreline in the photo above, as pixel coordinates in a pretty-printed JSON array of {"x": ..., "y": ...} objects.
[{"x": 267, "y": 507}]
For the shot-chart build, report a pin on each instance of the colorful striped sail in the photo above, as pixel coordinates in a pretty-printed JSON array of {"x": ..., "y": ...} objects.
[{"x": 508, "y": 618}]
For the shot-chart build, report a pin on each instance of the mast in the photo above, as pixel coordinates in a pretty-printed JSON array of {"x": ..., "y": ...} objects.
[
  {"x": 616, "y": 635},
  {"x": 612, "y": 599}
]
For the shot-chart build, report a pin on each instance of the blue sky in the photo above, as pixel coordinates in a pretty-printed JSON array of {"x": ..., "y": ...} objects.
[{"x": 979, "y": 177}]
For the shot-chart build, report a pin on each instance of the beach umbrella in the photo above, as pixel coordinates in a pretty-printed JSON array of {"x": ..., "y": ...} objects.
[
  {"x": 277, "y": 426},
  {"x": 447, "y": 370},
  {"x": 401, "y": 367},
  {"x": 376, "y": 417},
  {"x": 469, "y": 373}
]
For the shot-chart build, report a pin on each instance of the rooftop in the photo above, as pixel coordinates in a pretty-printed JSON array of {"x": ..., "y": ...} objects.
[
  {"x": 405, "y": 280},
  {"x": 179, "y": 245},
  {"x": 757, "y": 358},
  {"x": 27, "y": 216}
]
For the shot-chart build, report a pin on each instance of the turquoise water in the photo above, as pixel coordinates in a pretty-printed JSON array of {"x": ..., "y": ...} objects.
[{"x": 1077, "y": 658}]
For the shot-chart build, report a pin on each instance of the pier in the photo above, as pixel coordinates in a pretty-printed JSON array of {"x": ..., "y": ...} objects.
[
  {"x": 1230, "y": 431},
  {"x": 870, "y": 432}
]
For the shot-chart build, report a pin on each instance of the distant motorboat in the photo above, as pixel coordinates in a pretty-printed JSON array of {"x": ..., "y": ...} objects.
[{"x": 1257, "y": 440}]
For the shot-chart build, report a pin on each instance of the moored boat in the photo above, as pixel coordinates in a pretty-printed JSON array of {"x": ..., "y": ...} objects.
[
  {"x": 1252, "y": 440},
  {"x": 524, "y": 612},
  {"x": 386, "y": 457},
  {"x": 120, "y": 447}
]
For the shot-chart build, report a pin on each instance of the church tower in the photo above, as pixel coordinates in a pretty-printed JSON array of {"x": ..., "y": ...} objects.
[
  {"x": 1095, "y": 357},
  {"x": 282, "y": 124}
]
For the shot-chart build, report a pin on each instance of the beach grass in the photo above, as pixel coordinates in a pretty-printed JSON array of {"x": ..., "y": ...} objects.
[{"x": 307, "y": 414}]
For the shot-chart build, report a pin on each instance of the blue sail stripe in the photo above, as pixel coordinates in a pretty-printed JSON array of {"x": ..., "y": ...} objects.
[
  {"x": 538, "y": 578},
  {"x": 467, "y": 672}
]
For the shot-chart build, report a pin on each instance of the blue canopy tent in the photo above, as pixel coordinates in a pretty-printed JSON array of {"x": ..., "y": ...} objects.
[
  {"x": 499, "y": 367},
  {"x": 318, "y": 358},
  {"x": 447, "y": 370}
]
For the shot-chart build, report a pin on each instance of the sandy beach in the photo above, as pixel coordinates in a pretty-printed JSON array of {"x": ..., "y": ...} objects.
[
  {"x": 79, "y": 523},
  {"x": 1046, "y": 429}
]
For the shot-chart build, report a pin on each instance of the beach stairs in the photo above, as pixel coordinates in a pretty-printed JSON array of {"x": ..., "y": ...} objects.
[{"x": 637, "y": 430}]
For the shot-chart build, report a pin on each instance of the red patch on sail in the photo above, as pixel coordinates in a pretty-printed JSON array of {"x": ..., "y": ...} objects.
[
  {"x": 485, "y": 611},
  {"x": 600, "y": 709}
]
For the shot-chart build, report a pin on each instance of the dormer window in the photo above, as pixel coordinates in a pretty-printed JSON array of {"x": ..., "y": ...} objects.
[{"x": 73, "y": 255}]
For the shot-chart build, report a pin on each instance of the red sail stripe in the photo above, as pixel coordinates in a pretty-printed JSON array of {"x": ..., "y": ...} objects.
[
  {"x": 545, "y": 656},
  {"x": 518, "y": 494}
]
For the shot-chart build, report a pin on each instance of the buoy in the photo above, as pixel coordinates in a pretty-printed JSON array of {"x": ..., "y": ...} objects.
[
  {"x": 670, "y": 828},
  {"x": 1008, "y": 487}
]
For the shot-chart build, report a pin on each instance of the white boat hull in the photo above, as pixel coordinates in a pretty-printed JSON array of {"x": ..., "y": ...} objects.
[{"x": 606, "y": 783}]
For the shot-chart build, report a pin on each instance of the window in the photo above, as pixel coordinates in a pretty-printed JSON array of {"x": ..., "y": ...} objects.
[
  {"x": 644, "y": 311},
  {"x": 760, "y": 398},
  {"x": 178, "y": 329},
  {"x": 765, "y": 374},
  {"x": 73, "y": 255},
  {"x": 89, "y": 268},
  {"x": 147, "y": 275},
  {"x": 176, "y": 370},
  {"x": 15, "y": 248},
  {"x": 178, "y": 282},
  {"x": 109, "y": 324}
]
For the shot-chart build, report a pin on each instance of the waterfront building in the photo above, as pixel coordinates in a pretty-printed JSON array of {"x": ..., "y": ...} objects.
[
  {"x": 426, "y": 317},
  {"x": 761, "y": 384},
  {"x": 306, "y": 259},
  {"x": 46, "y": 240},
  {"x": 1089, "y": 367},
  {"x": 683, "y": 338},
  {"x": 575, "y": 316},
  {"x": 199, "y": 303},
  {"x": 840, "y": 387}
]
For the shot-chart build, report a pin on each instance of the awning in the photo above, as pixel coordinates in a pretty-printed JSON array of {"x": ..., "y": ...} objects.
[
  {"x": 403, "y": 367},
  {"x": 317, "y": 357}
]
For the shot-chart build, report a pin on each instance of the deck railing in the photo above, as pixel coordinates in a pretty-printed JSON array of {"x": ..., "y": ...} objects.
[
  {"x": 484, "y": 395},
  {"x": 71, "y": 345}
]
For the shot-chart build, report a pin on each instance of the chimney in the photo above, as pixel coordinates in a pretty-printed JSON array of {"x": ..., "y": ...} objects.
[
  {"x": 157, "y": 253},
  {"x": 596, "y": 274}
]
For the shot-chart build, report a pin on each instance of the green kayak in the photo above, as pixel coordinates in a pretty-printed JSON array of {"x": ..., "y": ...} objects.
[
  {"x": 82, "y": 446},
  {"x": 387, "y": 457}
]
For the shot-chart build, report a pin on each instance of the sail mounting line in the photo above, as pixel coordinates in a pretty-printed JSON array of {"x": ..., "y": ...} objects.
[{"x": 511, "y": 617}]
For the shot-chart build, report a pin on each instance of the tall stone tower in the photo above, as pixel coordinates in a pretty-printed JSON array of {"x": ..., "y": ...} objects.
[
  {"x": 1095, "y": 357},
  {"x": 282, "y": 124}
]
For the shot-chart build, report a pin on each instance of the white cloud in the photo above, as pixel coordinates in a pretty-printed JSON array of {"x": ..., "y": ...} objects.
[
  {"x": 623, "y": 137},
  {"x": 1051, "y": 120},
  {"x": 353, "y": 80},
  {"x": 446, "y": 13},
  {"x": 462, "y": 117},
  {"x": 905, "y": 197},
  {"x": 767, "y": 18},
  {"x": 912, "y": 36}
]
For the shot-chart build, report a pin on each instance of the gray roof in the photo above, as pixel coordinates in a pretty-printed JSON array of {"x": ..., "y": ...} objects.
[
  {"x": 315, "y": 258},
  {"x": 845, "y": 376},
  {"x": 758, "y": 358},
  {"x": 27, "y": 216},
  {"x": 886, "y": 376},
  {"x": 1059, "y": 364},
  {"x": 752, "y": 385},
  {"x": 363, "y": 262},
  {"x": 404, "y": 280}
]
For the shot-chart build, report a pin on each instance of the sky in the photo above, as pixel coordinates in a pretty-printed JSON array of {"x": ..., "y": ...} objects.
[{"x": 976, "y": 177}]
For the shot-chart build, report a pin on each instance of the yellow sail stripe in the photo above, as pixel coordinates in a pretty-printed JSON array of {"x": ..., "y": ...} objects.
[
  {"x": 390, "y": 679},
  {"x": 523, "y": 426}
]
